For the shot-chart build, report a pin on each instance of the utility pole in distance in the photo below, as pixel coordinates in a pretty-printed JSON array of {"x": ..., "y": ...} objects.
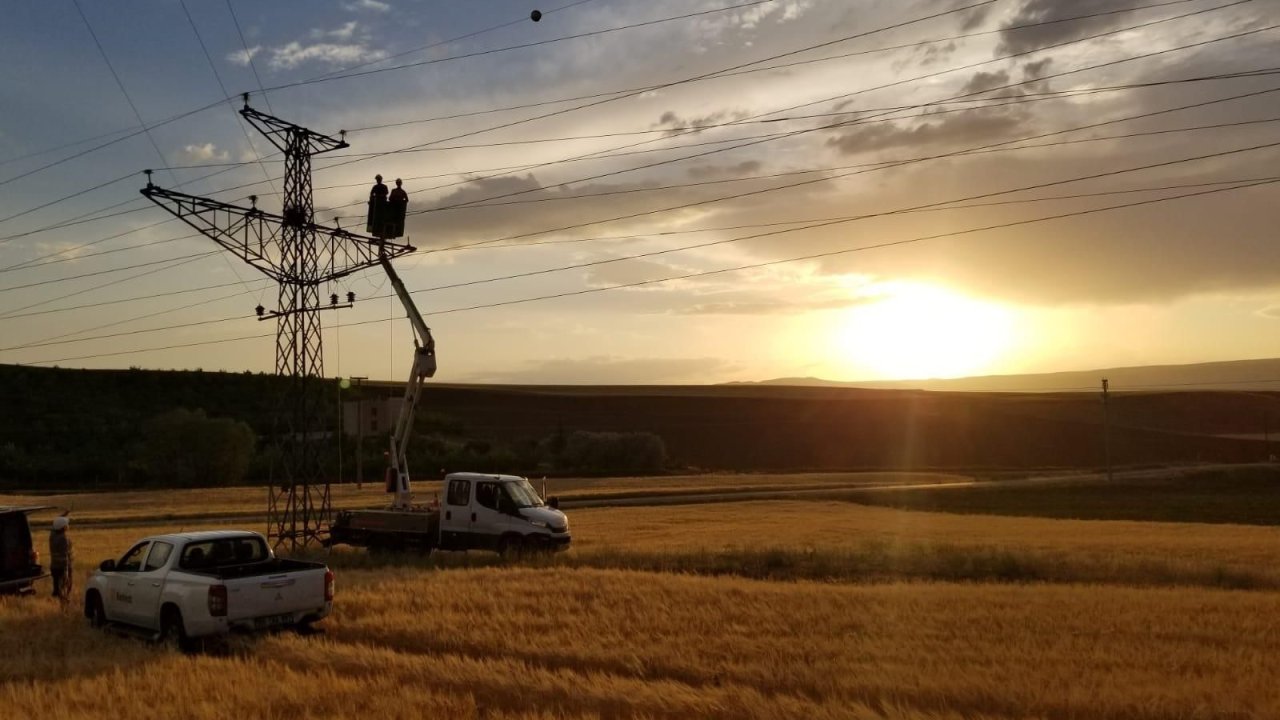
[
  {"x": 1106, "y": 426},
  {"x": 300, "y": 256},
  {"x": 359, "y": 429}
]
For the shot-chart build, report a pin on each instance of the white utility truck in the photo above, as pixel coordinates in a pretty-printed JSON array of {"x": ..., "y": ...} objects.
[
  {"x": 489, "y": 512},
  {"x": 187, "y": 586},
  {"x": 479, "y": 512}
]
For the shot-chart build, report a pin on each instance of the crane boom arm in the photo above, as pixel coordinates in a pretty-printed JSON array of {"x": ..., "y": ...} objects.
[{"x": 424, "y": 366}]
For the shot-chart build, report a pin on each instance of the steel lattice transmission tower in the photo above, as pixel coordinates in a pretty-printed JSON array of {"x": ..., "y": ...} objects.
[{"x": 300, "y": 255}]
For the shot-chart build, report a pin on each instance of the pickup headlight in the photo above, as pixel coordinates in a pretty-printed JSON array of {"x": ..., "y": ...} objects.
[{"x": 537, "y": 523}]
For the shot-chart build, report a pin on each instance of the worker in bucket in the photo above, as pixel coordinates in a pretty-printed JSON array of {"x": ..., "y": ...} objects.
[
  {"x": 376, "y": 222},
  {"x": 397, "y": 204},
  {"x": 60, "y": 558}
]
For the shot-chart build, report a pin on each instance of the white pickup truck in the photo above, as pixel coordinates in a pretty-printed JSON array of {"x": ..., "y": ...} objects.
[{"x": 187, "y": 586}]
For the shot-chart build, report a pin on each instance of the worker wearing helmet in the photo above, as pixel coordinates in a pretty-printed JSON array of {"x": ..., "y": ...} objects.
[
  {"x": 398, "y": 203},
  {"x": 376, "y": 223},
  {"x": 60, "y": 558}
]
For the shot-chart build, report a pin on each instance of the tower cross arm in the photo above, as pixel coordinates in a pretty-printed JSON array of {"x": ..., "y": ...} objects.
[
  {"x": 280, "y": 131},
  {"x": 256, "y": 237}
]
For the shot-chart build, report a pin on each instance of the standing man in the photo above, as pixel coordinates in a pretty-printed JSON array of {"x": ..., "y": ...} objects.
[
  {"x": 376, "y": 223},
  {"x": 399, "y": 202},
  {"x": 60, "y": 557}
]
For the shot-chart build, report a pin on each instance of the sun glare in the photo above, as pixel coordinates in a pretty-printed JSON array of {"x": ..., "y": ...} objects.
[{"x": 918, "y": 331}]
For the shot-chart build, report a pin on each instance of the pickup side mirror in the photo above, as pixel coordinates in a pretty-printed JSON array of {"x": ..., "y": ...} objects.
[
  {"x": 107, "y": 565},
  {"x": 553, "y": 502}
]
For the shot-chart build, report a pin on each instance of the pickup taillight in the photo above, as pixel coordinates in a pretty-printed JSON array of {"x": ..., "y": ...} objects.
[
  {"x": 35, "y": 556},
  {"x": 328, "y": 586},
  {"x": 217, "y": 600}
]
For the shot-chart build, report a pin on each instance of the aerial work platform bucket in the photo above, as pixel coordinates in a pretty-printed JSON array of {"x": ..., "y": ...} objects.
[{"x": 385, "y": 219}]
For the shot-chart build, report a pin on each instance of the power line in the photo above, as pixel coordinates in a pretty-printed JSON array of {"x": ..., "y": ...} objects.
[
  {"x": 1038, "y": 79},
  {"x": 14, "y": 315},
  {"x": 64, "y": 198},
  {"x": 119, "y": 83},
  {"x": 248, "y": 57},
  {"x": 560, "y": 112},
  {"x": 104, "y": 272},
  {"x": 790, "y": 53},
  {"x": 817, "y": 256},
  {"x": 934, "y": 205},
  {"x": 866, "y": 216},
  {"x": 15, "y": 311},
  {"x": 859, "y": 172},
  {"x": 719, "y": 76},
  {"x": 870, "y": 167},
  {"x": 738, "y": 268},
  {"x": 801, "y": 221},
  {"x": 906, "y": 81},
  {"x": 521, "y": 21},
  {"x": 810, "y": 171},
  {"x": 522, "y": 46},
  {"x": 677, "y": 82}
]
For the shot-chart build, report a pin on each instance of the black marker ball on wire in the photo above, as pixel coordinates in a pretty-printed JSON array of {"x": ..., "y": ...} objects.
[{"x": 536, "y": 15}]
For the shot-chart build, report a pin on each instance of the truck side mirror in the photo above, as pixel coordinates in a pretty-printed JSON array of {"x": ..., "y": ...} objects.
[
  {"x": 553, "y": 502},
  {"x": 107, "y": 565}
]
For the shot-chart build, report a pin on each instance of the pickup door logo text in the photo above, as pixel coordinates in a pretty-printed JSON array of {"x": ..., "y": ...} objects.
[{"x": 121, "y": 597}]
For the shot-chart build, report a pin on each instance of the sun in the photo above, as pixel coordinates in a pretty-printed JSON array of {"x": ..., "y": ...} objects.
[{"x": 920, "y": 331}]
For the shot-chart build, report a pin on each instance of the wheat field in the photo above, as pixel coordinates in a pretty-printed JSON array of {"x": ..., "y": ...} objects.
[
  {"x": 177, "y": 505},
  {"x": 662, "y": 613}
]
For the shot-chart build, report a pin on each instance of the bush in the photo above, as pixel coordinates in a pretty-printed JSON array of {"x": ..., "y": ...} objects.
[
  {"x": 614, "y": 452},
  {"x": 184, "y": 448}
]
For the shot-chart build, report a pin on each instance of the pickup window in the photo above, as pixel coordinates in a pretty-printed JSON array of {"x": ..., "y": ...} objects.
[
  {"x": 459, "y": 492},
  {"x": 132, "y": 560},
  {"x": 223, "y": 551},
  {"x": 160, "y": 552}
]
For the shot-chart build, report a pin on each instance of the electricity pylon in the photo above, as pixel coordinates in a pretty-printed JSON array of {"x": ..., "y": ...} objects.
[{"x": 300, "y": 255}]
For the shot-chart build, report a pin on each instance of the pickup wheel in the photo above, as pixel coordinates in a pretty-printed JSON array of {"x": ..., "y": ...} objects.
[
  {"x": 172, "y": 632},
  {"x": 94, "y": 611}
]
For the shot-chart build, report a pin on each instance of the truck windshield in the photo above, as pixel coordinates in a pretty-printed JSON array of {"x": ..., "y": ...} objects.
[{"x": 522, "y": 494}]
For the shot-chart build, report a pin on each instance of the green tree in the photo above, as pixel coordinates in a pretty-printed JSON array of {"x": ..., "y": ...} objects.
[{"x": 185, "y": 448}]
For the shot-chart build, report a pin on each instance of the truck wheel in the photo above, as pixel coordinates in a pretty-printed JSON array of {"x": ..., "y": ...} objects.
[
  {"x": 511, "y": 547},
  {"x": 95, "y": 612},
  {"x": 172, "y": 632}
]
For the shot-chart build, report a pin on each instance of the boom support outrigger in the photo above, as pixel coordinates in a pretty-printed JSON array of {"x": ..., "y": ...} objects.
[{"x": 424, "y": 366}]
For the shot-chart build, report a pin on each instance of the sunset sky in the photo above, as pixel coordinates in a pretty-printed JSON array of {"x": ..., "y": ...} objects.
[{"x": 822, "y": 110}]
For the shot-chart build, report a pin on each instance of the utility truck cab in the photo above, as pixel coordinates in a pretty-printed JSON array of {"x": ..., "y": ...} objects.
[
  {"x": 496, "y": 511},
  {"x": 475, "y": 512}
]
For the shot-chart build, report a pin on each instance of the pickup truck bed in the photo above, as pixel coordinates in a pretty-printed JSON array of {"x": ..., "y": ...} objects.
[{"x": 273, "y": 566}]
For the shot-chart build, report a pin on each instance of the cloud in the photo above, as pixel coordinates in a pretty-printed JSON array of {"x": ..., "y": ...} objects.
[
  {"x": 205, "y": 153},
  {"x": 242, "y": 57},
  {"x": 674, "y": 122},
  {"x": 608, "y": 369},
  {"x": 961, "y": 128},
  {"x": 345, "y": 32},
  {"x": 711, "y": 172},
  {"x": 295, "y": 54},
  {"x": 374, "y": 5},
  {"x": 1040, "y": 11}
]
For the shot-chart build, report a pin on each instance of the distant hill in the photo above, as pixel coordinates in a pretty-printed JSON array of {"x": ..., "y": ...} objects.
[{"x": 1232, "y": 375}]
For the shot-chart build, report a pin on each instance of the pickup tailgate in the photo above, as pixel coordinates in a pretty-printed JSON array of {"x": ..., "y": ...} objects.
[{"x": 279, "y": 599}]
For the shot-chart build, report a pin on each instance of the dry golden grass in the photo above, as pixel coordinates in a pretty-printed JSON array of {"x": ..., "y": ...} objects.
[
  {"x": 594, "y": 634},
  {"x": 591, "y": 643},
  {"x": 211, "y": 502}
]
